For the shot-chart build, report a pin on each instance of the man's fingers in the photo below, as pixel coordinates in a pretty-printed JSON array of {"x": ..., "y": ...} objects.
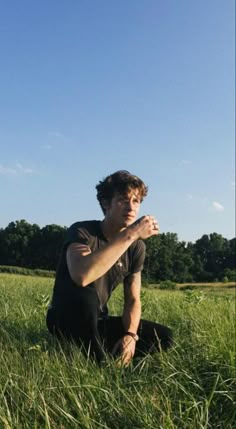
[
  {"x": 126, "y": 358},
  {"x": 152, "y": 224},
  {"x": 155, "y": 225},
  {"x": 126, "y": 354},
  {"x": 83, "y": 249}
]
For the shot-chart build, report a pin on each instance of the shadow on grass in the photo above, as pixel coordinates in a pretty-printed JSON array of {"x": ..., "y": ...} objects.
[{"x": 22, "y": 336}]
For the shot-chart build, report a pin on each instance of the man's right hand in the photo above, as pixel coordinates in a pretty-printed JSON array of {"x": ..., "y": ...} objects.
[{"x": 145, "y": 227}]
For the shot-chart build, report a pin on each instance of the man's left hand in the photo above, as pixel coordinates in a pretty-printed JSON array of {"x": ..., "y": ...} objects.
[{"x": 125, "y": 346}]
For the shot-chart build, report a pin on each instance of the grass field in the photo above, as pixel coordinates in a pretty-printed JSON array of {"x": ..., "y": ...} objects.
[{"x": 44, "y": 385}]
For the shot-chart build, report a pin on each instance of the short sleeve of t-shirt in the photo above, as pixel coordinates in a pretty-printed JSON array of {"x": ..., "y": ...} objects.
[
  {"x": 78, "y": 233},
  {"x": 137, "y": 257}
]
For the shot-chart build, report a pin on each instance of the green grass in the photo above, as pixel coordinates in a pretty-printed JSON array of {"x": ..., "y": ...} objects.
[{"x": 45, "y": 385}]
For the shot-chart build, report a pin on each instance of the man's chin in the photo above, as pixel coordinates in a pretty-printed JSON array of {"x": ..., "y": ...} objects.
[{"x": 129, "y": 222}]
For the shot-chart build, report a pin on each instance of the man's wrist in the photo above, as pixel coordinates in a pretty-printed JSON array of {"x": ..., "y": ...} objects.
[
  {"x": 132, "y": 231},
  {"x": 132, "y": 335}
]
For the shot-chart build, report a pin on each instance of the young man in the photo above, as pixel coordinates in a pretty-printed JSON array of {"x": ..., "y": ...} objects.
[{"x": 96, "y": 257}]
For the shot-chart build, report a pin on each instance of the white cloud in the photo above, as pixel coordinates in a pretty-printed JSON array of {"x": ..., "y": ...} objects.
[
  {"x": 217, "y": 206},
  {"x": 56, "y": 135},
  {"x": 189, "y": 196},
  {"x": 23, "y": 170},
  {"x": 17, "y": 170},
  {"x": 7, "y": 171},
  {"x": 53, "y": 139},
  {"x": 47, "y": 146},
  {"x": 185, "y": 162}
]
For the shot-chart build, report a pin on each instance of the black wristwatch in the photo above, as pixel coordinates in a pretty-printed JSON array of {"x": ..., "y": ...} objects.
[{"x": 131, "y": 334}]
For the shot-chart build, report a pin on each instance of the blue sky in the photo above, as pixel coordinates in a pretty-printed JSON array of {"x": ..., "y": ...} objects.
[{"x": 90, "y": 87}]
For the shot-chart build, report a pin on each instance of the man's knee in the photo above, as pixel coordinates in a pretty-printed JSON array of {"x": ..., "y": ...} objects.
[
  {"x": 155, "y": 336},
  {"x": 167, "y": 342},
  {"x": 77, "y": 313}
]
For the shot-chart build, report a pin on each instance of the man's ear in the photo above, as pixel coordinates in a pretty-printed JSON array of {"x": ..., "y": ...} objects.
[{"x": 105, "y": 205}]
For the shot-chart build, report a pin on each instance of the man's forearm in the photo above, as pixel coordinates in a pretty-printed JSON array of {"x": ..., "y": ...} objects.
[{"x": 131, "y": 316}]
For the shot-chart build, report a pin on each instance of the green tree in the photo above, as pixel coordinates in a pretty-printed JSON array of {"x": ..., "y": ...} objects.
[
  {"x": 183, "y": 263},
  {"x": 212, "y": 250},
  {"x": 16, "y": 240},
  {"x": 49, "y": 247},
  {"x": 160, "y": 251}
]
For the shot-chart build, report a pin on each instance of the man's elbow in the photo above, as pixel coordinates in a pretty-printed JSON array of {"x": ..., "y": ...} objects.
[{"x": 79, "y": 279}]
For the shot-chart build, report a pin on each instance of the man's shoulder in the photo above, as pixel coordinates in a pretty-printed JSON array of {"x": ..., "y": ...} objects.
[
  {"x": 83, "y": 230},
  {"x": 86, "y": 224}
]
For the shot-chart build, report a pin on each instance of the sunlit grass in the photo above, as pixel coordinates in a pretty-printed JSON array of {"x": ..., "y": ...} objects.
[{"x": 44, "y": 384}]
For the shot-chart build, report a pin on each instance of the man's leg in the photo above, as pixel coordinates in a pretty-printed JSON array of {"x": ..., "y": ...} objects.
[
  {"x": 152, "y": 336},
  {"x": 77, "y": 320}
]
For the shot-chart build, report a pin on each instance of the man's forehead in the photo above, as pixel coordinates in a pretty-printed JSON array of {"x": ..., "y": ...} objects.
[{"x": 131, "y": 193}]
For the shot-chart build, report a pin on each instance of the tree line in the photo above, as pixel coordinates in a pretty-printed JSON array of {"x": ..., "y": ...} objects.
[{"x": 210, "y": 258}]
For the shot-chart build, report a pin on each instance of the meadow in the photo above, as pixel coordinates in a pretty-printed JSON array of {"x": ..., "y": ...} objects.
[{"x": 47, "y": 385}]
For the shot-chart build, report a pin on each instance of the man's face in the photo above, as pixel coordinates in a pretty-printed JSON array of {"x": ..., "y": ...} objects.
[{"x": 123, "y": 208}]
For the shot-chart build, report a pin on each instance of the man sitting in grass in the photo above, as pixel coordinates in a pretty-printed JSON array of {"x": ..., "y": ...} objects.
[{"x": 96, "y": 257}]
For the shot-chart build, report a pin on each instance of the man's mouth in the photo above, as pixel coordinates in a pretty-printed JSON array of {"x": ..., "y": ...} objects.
[{"x": 129, "y": 216}]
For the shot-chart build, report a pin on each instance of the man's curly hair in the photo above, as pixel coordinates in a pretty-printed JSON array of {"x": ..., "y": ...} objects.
[{"x": 121, "y": 182}]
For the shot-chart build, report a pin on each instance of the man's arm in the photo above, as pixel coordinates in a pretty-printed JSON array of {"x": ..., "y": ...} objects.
[
  {"x": 85, "y": 266},
  {"x": 130, "y": 318},
  {"x": 132, "y": 303}
]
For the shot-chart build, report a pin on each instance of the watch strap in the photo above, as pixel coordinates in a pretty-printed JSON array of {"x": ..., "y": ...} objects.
[{"x": 131, "y": 334}]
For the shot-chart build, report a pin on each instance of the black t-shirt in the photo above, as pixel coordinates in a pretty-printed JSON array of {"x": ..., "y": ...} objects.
[{"x": 90, "y": 233}]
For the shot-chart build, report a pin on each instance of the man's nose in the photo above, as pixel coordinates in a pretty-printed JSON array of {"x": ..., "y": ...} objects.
[{"x": 129, "y": 204}]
